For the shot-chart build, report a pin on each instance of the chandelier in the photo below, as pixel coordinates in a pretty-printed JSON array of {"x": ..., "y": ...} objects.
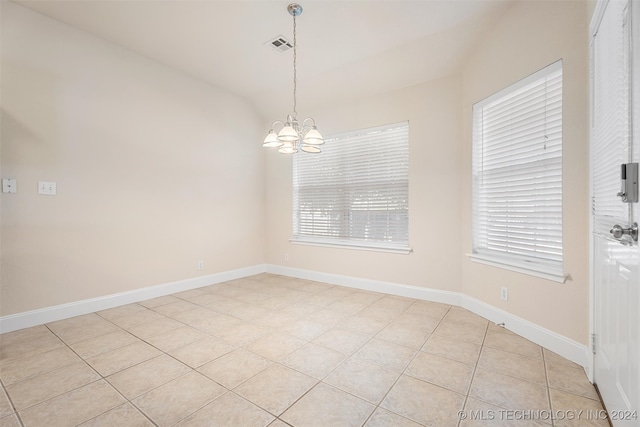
[{"x": 293, "y": 135}]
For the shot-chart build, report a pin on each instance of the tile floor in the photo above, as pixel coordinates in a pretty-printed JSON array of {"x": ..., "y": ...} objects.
[{"x": 275, "y": 351}]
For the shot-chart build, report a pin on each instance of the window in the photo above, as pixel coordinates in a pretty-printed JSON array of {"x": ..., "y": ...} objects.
[
  {"x": 356, "y": 193},
  {"x": 517, "y": 176}
]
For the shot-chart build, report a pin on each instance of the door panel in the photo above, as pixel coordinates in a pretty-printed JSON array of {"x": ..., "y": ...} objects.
[{"x": 616, "y": 262}]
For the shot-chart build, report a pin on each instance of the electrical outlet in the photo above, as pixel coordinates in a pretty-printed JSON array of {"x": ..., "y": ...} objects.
[
  {"x": 286, "y": 257},
  {"x": 9, "y": 185},
  {"x": 504, "y": 293},
  {"x": 200, "y": 265}
]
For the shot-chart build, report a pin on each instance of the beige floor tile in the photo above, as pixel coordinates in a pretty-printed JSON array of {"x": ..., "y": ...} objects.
[
  {"x": 570, "y": 379},
  {"x": 173, "y": 308},
  {"x": 585, "y": 412},
  {"x": 392, "y": 356},
  {"x": 481, "y": 414},
  {"x": 6, "y": 408},
  {"x": 279, "y": 423},
  {"x": 245, "y": 333},
  {"x": 14, "y": 370},
  {"x": 272, "y": 303},
  {"x": 141, "y": 378},
  {"x": 149, "y": 329},
  {"x": 461, "y": 331},
  {"x": 28, "y": 341},
  {"x": 82, "y": 328},
  {"x": 424, "y": 403},
  {"x": 123, "y": 415},
  {"x": 347, "y": 306},
  {"x": 179, "y": 398},
  {"x": 207, "y": 299},
  {"x": 552, "y": 358},
  {"x": 363, "y": 323},
  {"x": 314, "y": 360},
  {"x": 326, "y": 406},
  {"x": 176, "y": 338},
  {"x": 277, "y": 319},
  {"x": 120, "y": 311},
  {"x": 133, "y": 320},
  {"x": 306, "y": 329},
  {"x": 385, "y": 315},
  {"x": 252, "y": 297},
  {"x": 327, "y": 316},
  {"x": 441, "y": 371},
  {"x": 508, "y": 392},
  {"x": 513, "y": 364},
  {"x": 300, "y": 309},
  {"x": 407, "y": 336},
  {"x": 343, "y": 340},
  {"x": 383, "y": 418},
  {"x": 191, "y": 293},
  {"x": 416, "y": 321},
  {"x": 508, "y": 341},
  {"x": 450, "y": 348},
  {"x": 218, "y": 303},
  {"x": 200, "y": 352},
  {"x": 228, "y": 410},
  {"x": 276, "y": 346},
  {"x": 45, "y": 386},
  {"x": 10, "y": 421},
  {"x": 74, "y": 407},
  {"x": 234, "y": 368},
  {"x": 248, "y": 312},
  {"x": 102, "y": 344},
  {"x": 363, "y": 379},
  {"x": 434, "y": 310},
  {"x": 275, "y": 388},
  {"x": 463, "y": 316},
  {"x": 157, "y": 302},
  {"x": 113, "y": 361},
  {"x": 393, "y": 303},
  {"x": 321, "y": 299},
  {"x": 216, "y": 322}
]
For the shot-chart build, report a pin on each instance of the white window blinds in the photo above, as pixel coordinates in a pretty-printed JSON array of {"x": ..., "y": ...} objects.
[
  {"x": 517, "y": 175},
  {"x": 355, "y": 193}
]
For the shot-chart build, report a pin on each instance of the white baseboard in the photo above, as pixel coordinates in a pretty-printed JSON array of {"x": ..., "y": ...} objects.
[
  {"x": 28, "y": 319},
  {"x": 550, "y": 340},
  {"x": 565, "y": 347},
  {"x": 409, "y": 291}
]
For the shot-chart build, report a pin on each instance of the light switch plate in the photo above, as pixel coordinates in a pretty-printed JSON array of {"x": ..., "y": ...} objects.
[
  {"x": 9, "y": 185},
  {"x": 47, "y": 188}
]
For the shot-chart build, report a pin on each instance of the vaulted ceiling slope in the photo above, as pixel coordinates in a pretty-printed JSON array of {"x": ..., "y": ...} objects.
[{"x": 346, "y": 49}]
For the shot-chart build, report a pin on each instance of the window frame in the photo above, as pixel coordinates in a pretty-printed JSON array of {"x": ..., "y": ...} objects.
[{"x": 507, "y": 258}]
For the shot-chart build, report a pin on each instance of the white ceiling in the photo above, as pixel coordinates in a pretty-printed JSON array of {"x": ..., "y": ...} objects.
[{"x": 346, "y": 49}]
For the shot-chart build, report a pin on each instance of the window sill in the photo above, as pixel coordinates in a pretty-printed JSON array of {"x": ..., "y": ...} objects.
[
  {"x": 353, "y": 246},
  {"x": 497, "y": 262}
]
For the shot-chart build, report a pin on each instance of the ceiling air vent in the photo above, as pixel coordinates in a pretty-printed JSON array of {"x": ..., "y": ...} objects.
[{"x": 280, "y": 44}]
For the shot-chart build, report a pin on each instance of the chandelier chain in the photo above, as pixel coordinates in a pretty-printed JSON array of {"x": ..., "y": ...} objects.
[{"x": 295, "y": 79}]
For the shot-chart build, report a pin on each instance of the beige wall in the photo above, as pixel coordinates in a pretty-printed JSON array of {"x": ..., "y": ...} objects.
[
  {"x": 155, "y": 170},
  {"x": 530, "y": 36},
  {"x": 434, "y": 113}
]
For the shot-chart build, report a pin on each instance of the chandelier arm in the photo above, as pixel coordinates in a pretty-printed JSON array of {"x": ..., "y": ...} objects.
[
  {"x": 305, "y": 125},
  {"x": 277, "y": 122}
]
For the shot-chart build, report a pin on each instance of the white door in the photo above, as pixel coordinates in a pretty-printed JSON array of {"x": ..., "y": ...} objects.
[{"x": 615, "y": 108}]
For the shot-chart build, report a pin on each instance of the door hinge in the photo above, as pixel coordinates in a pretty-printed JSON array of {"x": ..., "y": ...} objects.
[{"x": 593, "y": 343}]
